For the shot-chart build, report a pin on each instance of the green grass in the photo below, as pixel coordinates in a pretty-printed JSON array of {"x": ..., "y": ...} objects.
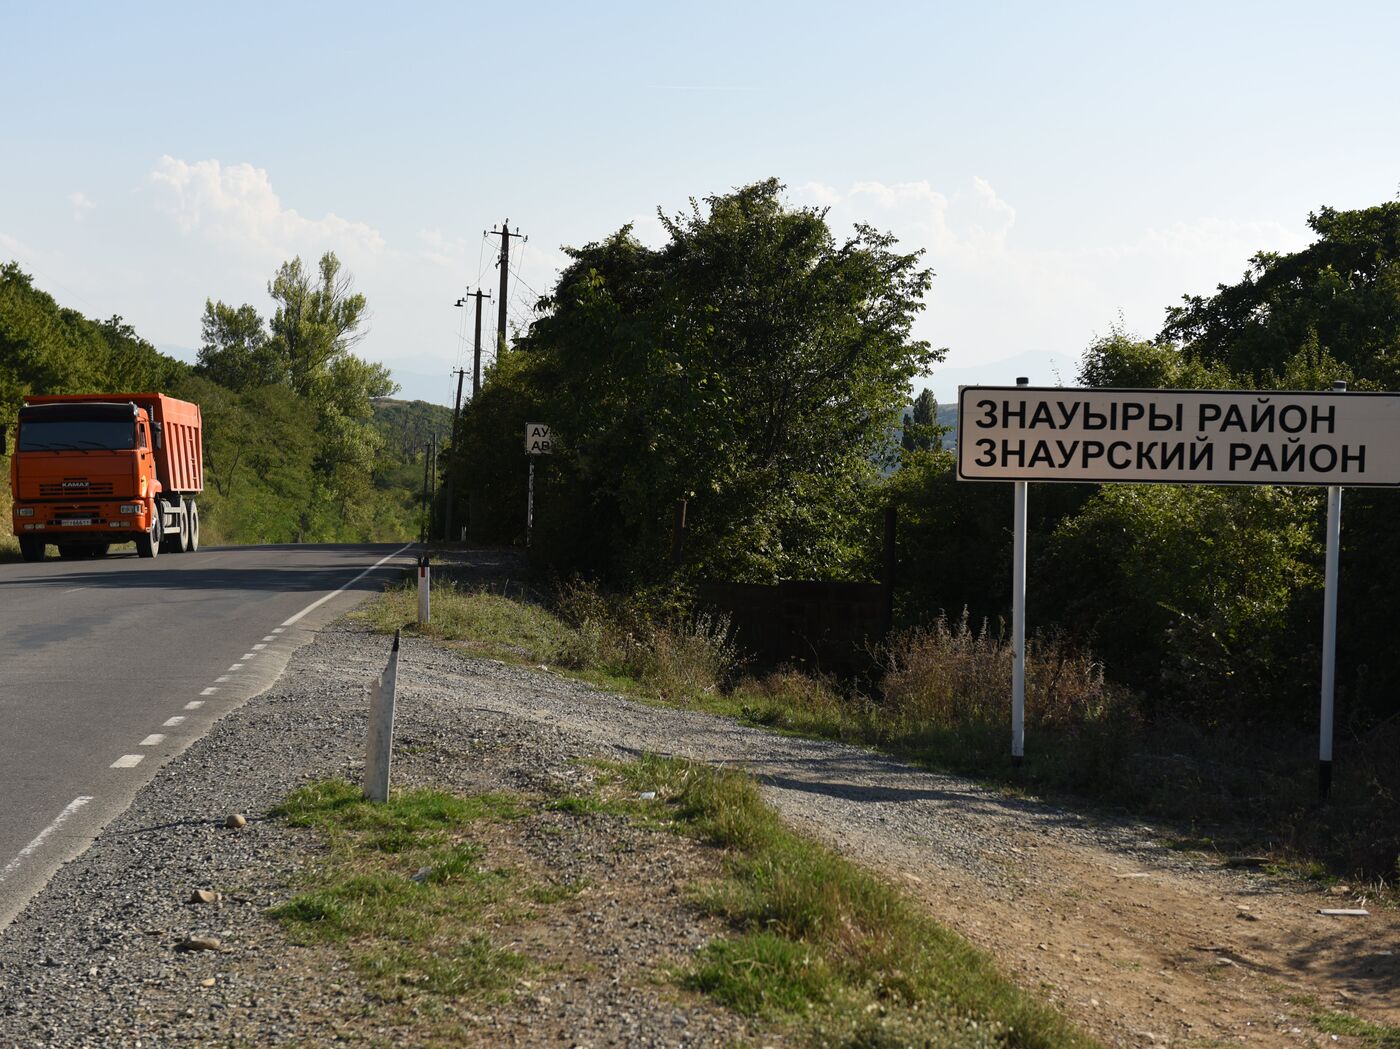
[
  {"x": 1211, "y": 784},
  {"x": 485, "y": 623},
  {"x": 819, "y": 941},
  {"x": 1374, "y": 1036},
  {"x": 404, "y": 889}
]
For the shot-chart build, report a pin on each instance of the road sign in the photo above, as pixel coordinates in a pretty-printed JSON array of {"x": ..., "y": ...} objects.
[
  {"x": 1023, "y": 433},
  {"x": 539, "y": 439}
]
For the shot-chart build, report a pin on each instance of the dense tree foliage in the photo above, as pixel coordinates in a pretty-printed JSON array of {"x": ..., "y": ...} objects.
[
  {"x": 283, "y": 462},
  {"x": 1340, "y": 294},
  {"x": 749, "y": 366}
]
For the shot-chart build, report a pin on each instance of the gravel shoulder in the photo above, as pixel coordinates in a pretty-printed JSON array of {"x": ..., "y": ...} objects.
[{"x": 1142, "y": 944}]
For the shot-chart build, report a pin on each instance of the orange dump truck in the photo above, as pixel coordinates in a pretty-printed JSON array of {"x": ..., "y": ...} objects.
[{"x": 90, "y": 470}]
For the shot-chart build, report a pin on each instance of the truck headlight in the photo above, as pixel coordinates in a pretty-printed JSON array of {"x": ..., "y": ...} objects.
[
  {"x": 130, "y": 508},
  {"x": 24, "y": 511}
]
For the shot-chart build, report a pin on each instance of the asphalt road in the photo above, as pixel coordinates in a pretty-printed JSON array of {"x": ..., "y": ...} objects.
[{"x": 108, "y": 668}]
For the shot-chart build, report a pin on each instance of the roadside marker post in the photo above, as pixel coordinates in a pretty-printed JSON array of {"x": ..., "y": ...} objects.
[
  {"x": 424, "y": 591},
  {"x": 1108, "y": 435},
  {"x": 380, "y": 743}
]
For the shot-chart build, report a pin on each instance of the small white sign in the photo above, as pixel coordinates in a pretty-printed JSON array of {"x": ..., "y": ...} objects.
[
  {"x": 539, "y": 439},
  {"x": 1021, "y": 433}
]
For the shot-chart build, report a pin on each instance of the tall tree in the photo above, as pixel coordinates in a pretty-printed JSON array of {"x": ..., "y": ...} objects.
[
  {"x": 750, "y": 366},
  {"x": 921, "y": 425},
  {"x": 317, "y": 319},
  {"x": 236, "y": 351}
]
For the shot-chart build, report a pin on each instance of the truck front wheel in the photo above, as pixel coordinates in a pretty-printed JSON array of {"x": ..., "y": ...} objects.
[
  {"x": 31, "y": 549},
  {"x": 148, "y": 544}
]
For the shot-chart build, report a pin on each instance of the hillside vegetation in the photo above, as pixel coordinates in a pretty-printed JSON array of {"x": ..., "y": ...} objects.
[{"x": 297, "y": 445}]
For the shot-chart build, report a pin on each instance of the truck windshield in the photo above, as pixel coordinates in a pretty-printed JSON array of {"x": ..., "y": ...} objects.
[{"x": 64, "y": 435}]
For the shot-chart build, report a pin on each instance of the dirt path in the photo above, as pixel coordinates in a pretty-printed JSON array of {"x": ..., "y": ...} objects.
[{"x": 1144, "y": 945}]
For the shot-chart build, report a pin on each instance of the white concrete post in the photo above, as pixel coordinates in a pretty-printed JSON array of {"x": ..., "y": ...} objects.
[
  {"x": 380, "y": 744},
  {"x": 424, "y": 591}
]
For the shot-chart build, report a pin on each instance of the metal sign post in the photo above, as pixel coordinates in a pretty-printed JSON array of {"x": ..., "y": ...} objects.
[
  {"x": 1018, "y": 623},
  {"x": 1329, "y": 634},
  {"x": 539, "y": 440}
]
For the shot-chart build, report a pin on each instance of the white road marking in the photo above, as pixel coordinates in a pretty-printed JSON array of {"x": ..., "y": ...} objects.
[
  {"x": 153, "y": 739},
  {"x": 128, "y": 761},
  {"x": 194, "y": 704},
  {"x": 75, "y": 589},
  {"x": 277, "y": 630},
  {"x": 248, "y": 655},
  {"x": 29, "y": 850},
  {"x": 270, "y": 637},
  {"x": 209, "y": 691},
  {"x": 258, "y": 648},
  {"x": 172, "y": 722},
  {"x": 236, "y": 666},
  {"x": 326, "y": 597},
  {"x": 222, "y": 677}
]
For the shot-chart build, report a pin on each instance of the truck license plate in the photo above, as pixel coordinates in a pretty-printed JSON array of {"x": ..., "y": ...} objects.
[{"x": 77, "y": 522}]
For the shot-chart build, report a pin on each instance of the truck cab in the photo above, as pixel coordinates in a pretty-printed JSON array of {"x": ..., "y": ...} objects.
[{"x": 89, "y": 471}]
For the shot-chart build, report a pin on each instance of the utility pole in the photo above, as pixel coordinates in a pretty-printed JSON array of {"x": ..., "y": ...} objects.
[
  {"x": 505, "y": 234},
  {"x": 423, "y": 530},
  {"x": 478, "y": 295},
  {"x": 456, "y": 455},
  {"x": 432, "y": 498},
  {"x": 457, "y": 411}
]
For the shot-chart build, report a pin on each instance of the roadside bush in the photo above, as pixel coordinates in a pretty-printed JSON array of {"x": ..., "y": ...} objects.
[
  {"x": 949, "y": 674},
  {"x": 673, "y": 655}
]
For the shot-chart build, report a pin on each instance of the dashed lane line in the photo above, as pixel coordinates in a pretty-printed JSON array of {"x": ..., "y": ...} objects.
[
  {"x": 209, "y": 691},
  {"x": 194, "y": 704},
  {"x": 154, "y": 739},
  {"x": 173, "y": 722},
  {"x": 128, "y": 761}
]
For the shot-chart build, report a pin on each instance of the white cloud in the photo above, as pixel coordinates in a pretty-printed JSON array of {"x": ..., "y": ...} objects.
[
  {"x": 81, "y": 203},
  {"x": 236, "y": 206},
  {"x": 997, "y": 297},
  {"x": 819, "y": 193},
  {"x": 13, "y": 246},
  {"x": 441, "y": 250}
]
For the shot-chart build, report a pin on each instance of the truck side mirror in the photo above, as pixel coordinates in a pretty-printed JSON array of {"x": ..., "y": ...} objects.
[{"x": 157, "y": 436}]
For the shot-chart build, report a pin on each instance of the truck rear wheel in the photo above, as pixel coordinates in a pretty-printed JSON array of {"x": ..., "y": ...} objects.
[
  {"x": 194, "y": 527},
  {"x": 175, "y": 542},
  {"x": 148, "y": 543},
  {"x": 31, "y": 549}
]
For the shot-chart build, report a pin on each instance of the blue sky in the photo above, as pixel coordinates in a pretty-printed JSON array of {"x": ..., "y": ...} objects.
[{"x": 1062, "y": 164}]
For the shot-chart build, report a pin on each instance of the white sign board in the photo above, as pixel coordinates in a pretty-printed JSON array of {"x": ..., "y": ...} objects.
[
  {"x": 1024, "y": 433},
  {"x": 539, "y": 440}
]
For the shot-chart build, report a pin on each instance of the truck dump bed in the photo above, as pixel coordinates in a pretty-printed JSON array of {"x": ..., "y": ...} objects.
[{"x": 180, "y": 459}]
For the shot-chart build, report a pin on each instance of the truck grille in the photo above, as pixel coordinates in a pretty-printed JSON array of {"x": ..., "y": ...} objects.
[{"x": 76, "y": 486}]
